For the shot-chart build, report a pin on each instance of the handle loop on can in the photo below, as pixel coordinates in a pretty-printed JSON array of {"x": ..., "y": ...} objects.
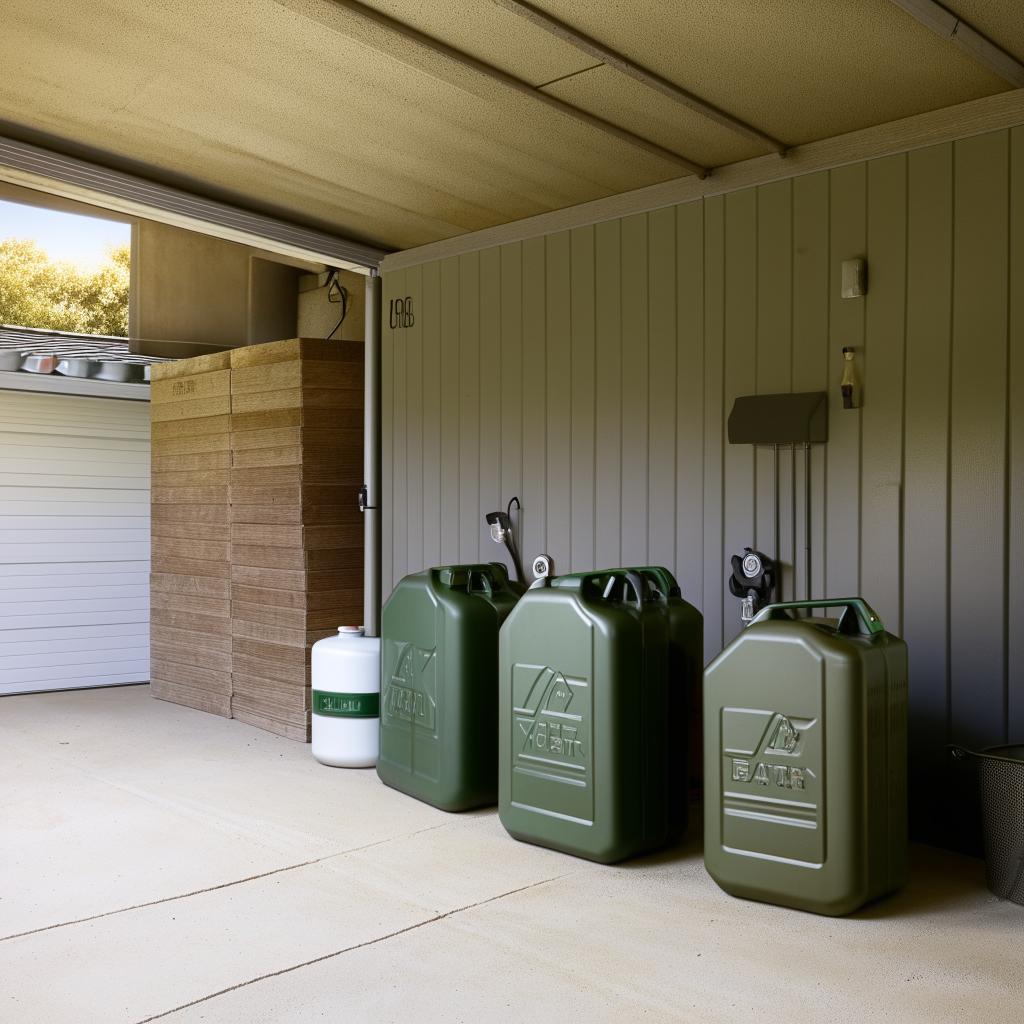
[
  {"x": 480, "y": 579},
  {"x": 867, "y": 618},
  {"x": 626, "y": 579}
]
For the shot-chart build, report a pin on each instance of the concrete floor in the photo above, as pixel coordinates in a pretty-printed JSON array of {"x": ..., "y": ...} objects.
[{"x": 157, "y": 863}]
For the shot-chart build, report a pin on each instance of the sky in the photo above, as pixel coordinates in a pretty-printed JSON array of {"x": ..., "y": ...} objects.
[{"x": 65, "y": 236}]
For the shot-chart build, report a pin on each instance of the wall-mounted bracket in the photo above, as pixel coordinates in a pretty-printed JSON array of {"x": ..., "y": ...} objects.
[{"x": 788, "y": 419}]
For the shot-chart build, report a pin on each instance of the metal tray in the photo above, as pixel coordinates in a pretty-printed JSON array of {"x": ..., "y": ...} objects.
[{"x": 39, "y": 364}]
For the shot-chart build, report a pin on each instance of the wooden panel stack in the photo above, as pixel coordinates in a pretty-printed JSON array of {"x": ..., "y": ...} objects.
[
  {"x": 296, "y": 531},
  {"x": 190, "y": 627}
]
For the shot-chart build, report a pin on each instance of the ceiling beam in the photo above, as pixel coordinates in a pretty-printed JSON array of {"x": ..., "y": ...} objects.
[
  {"x": 397, "y": 32},
  {"x": 946, "y": 24},
  {"x": 623, "y": 64},
  {"x": 53, "y": 173}
]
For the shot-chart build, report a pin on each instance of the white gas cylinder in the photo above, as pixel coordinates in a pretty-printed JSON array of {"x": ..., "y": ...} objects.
[{"x": 346, "y": 699}]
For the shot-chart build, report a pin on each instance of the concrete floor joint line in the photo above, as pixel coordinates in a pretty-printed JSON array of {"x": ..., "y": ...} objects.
[
  {"x": 654, "y": 939},
  {"x": 352, "y": 948},
  {"x": 222, "y": 885}
]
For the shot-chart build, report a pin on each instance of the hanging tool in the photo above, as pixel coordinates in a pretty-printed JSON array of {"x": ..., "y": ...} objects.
[{"x": 502, "y": 533}]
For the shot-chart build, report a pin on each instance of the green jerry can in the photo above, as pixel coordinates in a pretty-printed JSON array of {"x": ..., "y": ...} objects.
[
  {"x": 805, "y": 759},
  {"x": 593, "y": 695},
  {"x": 686, "y": 662},
  {"x": 439, "y": 684}
]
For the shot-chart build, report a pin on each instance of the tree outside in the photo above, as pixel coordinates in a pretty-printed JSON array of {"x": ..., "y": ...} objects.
[{"x": 37, "y": 291}]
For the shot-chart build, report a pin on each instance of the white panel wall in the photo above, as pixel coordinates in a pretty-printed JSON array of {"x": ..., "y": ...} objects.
[{"x": 74, "y": 541}]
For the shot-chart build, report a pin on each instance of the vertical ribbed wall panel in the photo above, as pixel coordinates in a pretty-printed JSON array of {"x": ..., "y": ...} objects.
[{"x": 597, "y": 367}]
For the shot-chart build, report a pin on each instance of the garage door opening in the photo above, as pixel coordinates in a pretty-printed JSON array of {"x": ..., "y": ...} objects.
[
  {"x": 74, "y": 467},
  {"x": 89, "y": 298}
]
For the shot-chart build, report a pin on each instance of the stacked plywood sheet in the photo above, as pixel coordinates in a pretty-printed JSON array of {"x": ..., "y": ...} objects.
[
  {"x": 296, "y": 532},
  {"x": 190, "y": 584}
]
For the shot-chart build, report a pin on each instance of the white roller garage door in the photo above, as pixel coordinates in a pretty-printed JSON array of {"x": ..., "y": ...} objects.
[{"x": 74, "y": 541}]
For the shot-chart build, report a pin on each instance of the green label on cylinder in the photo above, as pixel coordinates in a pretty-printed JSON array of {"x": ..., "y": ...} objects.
[{"x": 346, "y": 705}]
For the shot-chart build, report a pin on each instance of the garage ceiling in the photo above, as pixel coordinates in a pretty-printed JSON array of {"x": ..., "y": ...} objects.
[{"x": 321, "y": 112}]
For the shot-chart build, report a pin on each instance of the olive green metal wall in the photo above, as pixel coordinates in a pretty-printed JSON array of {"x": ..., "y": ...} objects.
[{"x": 590, "y": 372}]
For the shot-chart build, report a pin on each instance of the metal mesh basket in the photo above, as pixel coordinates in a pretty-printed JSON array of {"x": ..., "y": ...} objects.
[{"x": 1001, "y": 780}]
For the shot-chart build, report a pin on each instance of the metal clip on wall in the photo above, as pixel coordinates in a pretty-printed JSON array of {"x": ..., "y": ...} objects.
[{"x": 752, "y": 581}]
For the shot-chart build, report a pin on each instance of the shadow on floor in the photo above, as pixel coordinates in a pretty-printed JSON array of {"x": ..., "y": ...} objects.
[
  {"x": 938, "y": 881},
  {"x": 691, "y": 848}
]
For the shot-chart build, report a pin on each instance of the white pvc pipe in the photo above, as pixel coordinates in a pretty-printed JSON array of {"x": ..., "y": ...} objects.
[{"x": 371, "y": 457}]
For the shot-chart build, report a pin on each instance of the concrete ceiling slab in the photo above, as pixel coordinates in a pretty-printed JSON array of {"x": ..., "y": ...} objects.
[
  {"x": 800, "y": 69},
  {"x": 491, "y": 34},
  {"x": 611, "y": 95},
  {"x": 295, "y": 113},
  {"x": 306, "y": 109}
]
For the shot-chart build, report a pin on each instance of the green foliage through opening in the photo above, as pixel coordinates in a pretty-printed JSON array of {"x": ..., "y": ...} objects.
[{"x": 36, "y": 291}]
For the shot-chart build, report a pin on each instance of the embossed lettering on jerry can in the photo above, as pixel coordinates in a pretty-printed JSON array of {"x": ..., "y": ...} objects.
[
  {"x": 805, "y": 763},
  {"x": 592, "y": 716},
  {"x": 439, "y": 684}
]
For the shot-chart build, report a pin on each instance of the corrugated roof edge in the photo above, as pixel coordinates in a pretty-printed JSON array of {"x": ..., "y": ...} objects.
[{"x": 69, "y": 345}]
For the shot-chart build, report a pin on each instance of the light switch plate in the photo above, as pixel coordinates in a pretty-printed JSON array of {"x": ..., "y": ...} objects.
[{"x": 854, "y": 279}]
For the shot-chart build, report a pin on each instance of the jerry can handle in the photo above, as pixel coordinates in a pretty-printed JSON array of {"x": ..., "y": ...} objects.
[
  {"x": 867, "y": 618},
  {"x": 480, "y": 579},
  {"x": 629, "y": 579},
  {"x": 637, "y": 582},
  {"x": 661, "y": 578},
  {"x": 469, "y": 578}
]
